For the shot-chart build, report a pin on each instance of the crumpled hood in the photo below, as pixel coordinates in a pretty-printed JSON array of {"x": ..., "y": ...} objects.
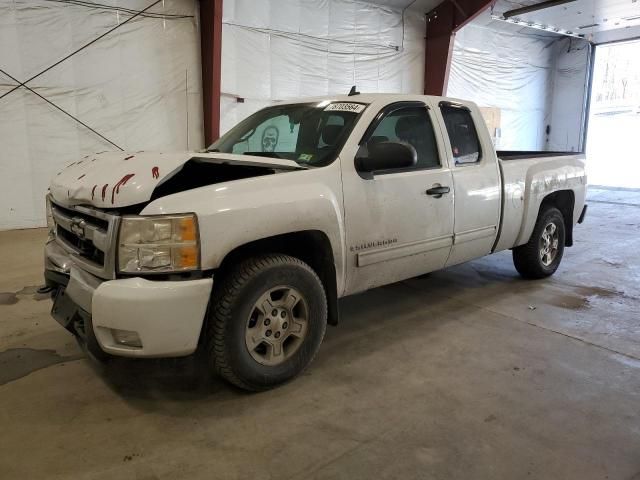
[{"x": 120, "y": 179}]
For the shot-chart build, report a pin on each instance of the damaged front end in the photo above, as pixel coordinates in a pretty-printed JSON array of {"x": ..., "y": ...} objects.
[
  {"x": 117, "y": 181},
  {"x": 88, "y": 201}
]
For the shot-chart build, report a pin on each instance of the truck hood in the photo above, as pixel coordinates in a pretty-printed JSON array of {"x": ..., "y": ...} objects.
[{"x": 121, "y": 179}]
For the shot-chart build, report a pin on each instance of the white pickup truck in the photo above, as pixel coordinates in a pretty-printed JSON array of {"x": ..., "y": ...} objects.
[{"x": 242, "y": 251}]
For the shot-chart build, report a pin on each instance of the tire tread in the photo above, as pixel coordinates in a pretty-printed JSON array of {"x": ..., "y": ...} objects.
[
  {"x": 526, "y": 257},
  {"x": 222, "y": 303}
]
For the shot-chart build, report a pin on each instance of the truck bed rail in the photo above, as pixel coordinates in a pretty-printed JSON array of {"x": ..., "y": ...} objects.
[{"x": 520, "y": 154}]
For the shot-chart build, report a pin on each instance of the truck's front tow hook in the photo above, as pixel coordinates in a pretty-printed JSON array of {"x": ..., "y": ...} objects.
[{"x": 45, "y": 289}]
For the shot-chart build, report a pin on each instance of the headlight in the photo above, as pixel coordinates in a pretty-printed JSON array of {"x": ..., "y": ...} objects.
[{"x": 162, "y": 243}]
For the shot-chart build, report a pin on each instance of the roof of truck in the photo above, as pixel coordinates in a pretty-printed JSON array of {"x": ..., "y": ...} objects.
[{"x": 373, "y": 97}]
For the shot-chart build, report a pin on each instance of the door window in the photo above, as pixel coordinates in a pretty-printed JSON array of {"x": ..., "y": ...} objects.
[
  {"x": 465, "y": 144},
  {"x": 411, "y": 125}
]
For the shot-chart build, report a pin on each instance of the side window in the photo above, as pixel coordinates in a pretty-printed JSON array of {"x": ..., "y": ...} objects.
[
  {"x": 411, "y": 125},
  {"x": 465, "y": 145}
]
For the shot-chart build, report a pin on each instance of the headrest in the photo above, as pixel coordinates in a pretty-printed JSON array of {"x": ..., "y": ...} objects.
[
  {"x": 410, "y": 127},
  {"x": 378, "y": 139},
  {"x": 330, "y": 133}
]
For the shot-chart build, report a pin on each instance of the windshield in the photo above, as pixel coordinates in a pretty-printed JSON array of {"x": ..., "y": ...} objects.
[{"x": 309, "y": 134}]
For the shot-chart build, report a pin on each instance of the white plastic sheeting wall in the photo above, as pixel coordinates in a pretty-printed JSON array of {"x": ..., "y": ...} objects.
[
  {"x": 570, "y": 86},
  {"x": 139, "y": 86},
  {"x": 282, "y": 49},
  {"x": 507, "y": 70},
  {"x": 531, "y": 78}
]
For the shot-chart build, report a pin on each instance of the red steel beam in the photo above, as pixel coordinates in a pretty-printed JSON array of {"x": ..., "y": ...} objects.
[
  {"x": 211, "y": 52},
  {"x": 442, "y": 24}
]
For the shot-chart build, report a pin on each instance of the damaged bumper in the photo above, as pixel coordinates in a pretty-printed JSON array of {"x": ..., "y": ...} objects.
[{"x": 132, "y": 317}]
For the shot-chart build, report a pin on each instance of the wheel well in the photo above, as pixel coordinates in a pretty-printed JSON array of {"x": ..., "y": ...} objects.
[
  {"x": 311, "y": 246},
  {"x": 563, "y": 200}
]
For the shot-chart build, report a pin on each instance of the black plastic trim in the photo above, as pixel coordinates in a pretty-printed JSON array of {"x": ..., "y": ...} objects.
[
  {"x": 449, "y": 103},
  {"x": 386, "y": 110},
  {"x": 583, "y": 214},
  {"x": 507, "y": 155},
  {"x": 55, "y": 279}
]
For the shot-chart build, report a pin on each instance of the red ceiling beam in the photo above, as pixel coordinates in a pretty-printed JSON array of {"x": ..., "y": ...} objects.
[
  {"x": 442, "y": 24},
  {"x": 211, "y": 52}
]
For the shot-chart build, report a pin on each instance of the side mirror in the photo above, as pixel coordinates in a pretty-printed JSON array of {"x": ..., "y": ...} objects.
[{"x": 385, "y": 156}]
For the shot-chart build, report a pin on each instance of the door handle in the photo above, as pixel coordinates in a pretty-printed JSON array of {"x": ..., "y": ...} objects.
[{"x": 438, "y": 191}]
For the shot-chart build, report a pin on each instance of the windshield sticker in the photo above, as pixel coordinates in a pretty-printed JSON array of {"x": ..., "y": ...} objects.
[
  {"x": 270, "y": 136},
  {"x": 305, "y": 157},
  {"x": 345, "y": 107}
]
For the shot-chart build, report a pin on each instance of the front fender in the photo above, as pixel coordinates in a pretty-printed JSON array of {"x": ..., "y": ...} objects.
[{"x": 235, "y": 213}]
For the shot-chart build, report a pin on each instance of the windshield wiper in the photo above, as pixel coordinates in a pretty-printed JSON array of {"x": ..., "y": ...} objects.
[
  {"x": 263, "y": 154},
  {"x": 213, "y": 150},
  {"x": 246, "y": 136}
]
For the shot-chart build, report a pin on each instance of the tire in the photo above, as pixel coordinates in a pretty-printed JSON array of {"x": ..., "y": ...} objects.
[
  {"x": 242, "y": 334},
  {"x": 529, "y": 260}
]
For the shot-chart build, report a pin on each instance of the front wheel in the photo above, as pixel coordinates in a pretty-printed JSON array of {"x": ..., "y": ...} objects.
[
  {"x": 540, "y": 257},
  {"x": 267, "y": 321}
]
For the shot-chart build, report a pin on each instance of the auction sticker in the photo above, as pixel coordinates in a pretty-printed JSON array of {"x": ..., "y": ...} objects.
[{"x": 345, "y": 107}]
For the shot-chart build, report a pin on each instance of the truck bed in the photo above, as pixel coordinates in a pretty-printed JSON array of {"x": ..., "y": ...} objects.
[{"x": 524, "y": 185}]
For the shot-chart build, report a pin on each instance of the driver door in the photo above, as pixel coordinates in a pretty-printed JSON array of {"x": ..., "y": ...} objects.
[{"x": 397, "y": 226}]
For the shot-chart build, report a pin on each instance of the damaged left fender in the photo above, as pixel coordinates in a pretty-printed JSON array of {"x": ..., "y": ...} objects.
[{"x": 235, "y": 213}]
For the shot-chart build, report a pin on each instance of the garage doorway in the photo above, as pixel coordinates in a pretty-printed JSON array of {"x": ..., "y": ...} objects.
[{"x": 613, "y": 135}]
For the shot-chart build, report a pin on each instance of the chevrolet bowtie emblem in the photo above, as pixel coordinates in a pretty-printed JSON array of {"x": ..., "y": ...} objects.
[{"x": 77, "y": 227}]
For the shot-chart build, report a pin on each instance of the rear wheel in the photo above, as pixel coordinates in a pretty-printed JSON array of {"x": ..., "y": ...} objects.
[
  {"x": 540, "y": 257},
  {"x": 268, "y": 319}
]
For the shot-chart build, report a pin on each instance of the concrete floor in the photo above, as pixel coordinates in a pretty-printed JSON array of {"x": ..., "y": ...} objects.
[{"x": 469, "y": 373}]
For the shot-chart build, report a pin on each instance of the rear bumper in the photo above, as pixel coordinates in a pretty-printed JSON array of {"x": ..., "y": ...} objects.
[{"x": 166, "y": 316}]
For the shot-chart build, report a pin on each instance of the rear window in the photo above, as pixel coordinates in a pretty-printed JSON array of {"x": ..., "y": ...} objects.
[{"x": 465, "y": 145}]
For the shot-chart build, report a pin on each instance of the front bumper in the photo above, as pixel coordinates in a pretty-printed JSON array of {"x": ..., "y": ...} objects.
[{"x": 167, "y": 316}]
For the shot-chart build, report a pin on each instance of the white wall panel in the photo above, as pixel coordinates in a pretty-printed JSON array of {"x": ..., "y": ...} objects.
[
  {"x": 136, "y": 86},
  {"x": 277, "y": 50},
  {"x": 507, "y": 70},
  {"x": 141, "y": 85},
  {"x": 535, "y": 80},
  {"x": 570, "y": 83}
]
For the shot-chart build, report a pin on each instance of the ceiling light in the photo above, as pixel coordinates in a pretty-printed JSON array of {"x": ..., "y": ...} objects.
[{"x": 537, "y": 26}]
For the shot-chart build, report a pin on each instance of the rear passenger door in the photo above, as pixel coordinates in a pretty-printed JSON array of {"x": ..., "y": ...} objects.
[
  {"x": 476, "y": 179},
  {"x": 397, "y": 226}
]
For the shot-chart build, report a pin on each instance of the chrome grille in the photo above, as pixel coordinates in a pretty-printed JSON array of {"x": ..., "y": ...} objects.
[{"x": 89, "y": 236}]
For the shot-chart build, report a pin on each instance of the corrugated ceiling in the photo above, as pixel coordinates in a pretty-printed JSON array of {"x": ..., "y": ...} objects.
[
  {"x": 587, "y": 18},
  {"x": 595, "y": 20}
]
